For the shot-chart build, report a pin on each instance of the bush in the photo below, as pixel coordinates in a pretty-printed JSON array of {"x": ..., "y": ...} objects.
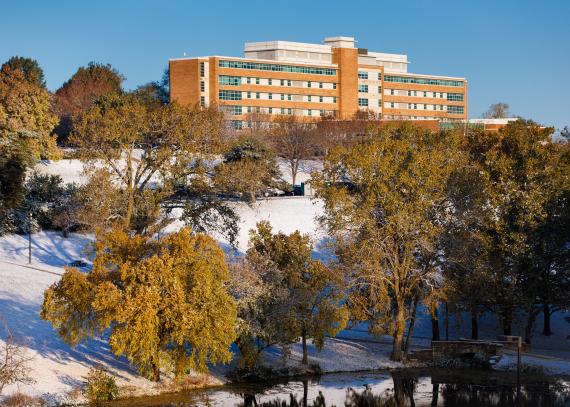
[
  {"x": 23, "y": 400},
  {"x": 101, "y": 386}
]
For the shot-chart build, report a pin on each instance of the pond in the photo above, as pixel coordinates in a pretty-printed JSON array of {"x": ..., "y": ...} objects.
[{"x": 386, "y": 389}]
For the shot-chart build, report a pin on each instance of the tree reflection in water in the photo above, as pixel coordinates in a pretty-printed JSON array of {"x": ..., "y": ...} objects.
[{"x": 551, "y": 394}]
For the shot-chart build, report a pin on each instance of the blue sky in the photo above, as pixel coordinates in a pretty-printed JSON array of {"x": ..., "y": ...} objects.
[{"x": 515, "y": 51}]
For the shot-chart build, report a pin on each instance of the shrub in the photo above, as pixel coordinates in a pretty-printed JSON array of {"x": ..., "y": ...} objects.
[
  {"x": 23, "y": 400},
  {"x": 101, "y": 386}
]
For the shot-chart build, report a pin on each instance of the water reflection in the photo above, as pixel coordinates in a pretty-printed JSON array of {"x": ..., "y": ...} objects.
[{"x": 395, "y": 389}]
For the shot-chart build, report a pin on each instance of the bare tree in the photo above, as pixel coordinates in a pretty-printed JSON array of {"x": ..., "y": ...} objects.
[
  {"x": 292, "y": 139},
  {"x": 498, "y": 110},
  {"x": 13, "y": 362}
]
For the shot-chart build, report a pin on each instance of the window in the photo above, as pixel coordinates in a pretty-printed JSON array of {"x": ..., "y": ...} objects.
[
  {"x": 257, "y": 95},
  {"x": 309, "y": 98},
  {"x": 423, "y": 81},
  {"x": 270, "y": 110},
  {"x": 270, "y": 96},
  {"x": 392, "y": 105},
  {"x": 276, "y": 68},
  {"x": 236, "y": 124},
  {"x": 289, "y": 97},
  {"x": 289, "y": 111},
  {"x": 455, "y": 97},
  {"x": 257, "y": 109},
  {"x": 249, "y": 95},
  {"x": 232, "y": 110},
  {"x": 202, "y": 101},
  {"x": 282, "y": 96},
  {"x": 392, "y": 92},
  {"x": 363, "y": 88},
  {"x": 455, "y": 109},
  {"x": 309, "y": 112},
  {"x": 282, "y": 110},
  {"x": 320, "y": 85},
  {"x": 409, "y": 93},
  {"x": 248, "y": 80},
  {"x": 362, "y": 75},
  {"x": 379, "y": 76},
  {"x": 229, "y": 80},
  {"x": 249, "y": 109},
  {"x": 425, "y": 94},
  {"x": 321, "y": 99},
  {"x": 288, "y": 83},
  {"x": 362, "y": 102},
  {"x": 202, "y": 69},
  {"x": 321, "y": 113},
  {"x": 282, "y": 82},
  {"x": 308, "y": 84},
  {"x": 257, "y": 81},
  {"x": 229, "y": 95},
  {"x": 334, "y": 85},
  {"x": 202, "y": 86},
  {"x": 270, "y": 81},
  {"x": 334, "y": 99},
  {"x": 379, "y": 103},
  {"x": 380, "y": 89}
]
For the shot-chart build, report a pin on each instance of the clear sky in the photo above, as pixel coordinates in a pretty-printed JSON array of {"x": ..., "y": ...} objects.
[{"x": 514, "y": 51}]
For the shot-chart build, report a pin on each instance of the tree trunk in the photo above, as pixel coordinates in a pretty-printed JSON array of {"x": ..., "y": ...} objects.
[
  {"x": 305, "y": 392},
  {"x": 411, "y": 326},
  {"x": 155, "y": 372},
  {"x": 507, "y": 322},
  {"x": 305, "y": 353},
  {"x": 474, "y": 323},
  {"x": 434, "y": 394},
  {"x": 400, "y": 327},
  {"x": 435, "y": 326},
  {"x": 446, "y": 322},
  {"x": 529, "y": 324},
  {"x": 546, "y": 320}
]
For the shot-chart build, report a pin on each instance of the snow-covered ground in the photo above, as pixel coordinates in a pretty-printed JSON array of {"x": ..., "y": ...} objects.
[{"x": 58, "y": 369}]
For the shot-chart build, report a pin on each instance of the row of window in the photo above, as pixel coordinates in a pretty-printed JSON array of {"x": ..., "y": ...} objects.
[
  {"x": 414, "y": 106},
  {"x": 363, "y": 102},
  {"x": 452, "y": 97},
  {"x": 364, "y": 88},
  {"x": 276, "y": 68},
  {"x": 239, "y": 110},
  {"x": 238, "y": 95},
  {"x": 227, "y": 80},
  {"x": 423, "y": 81},
  {"x": 365, "y": 75}
]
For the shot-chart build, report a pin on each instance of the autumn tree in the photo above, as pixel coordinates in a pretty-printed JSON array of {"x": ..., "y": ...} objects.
[
  {"x": 293, "y": 140},
  {"x": 380, "y": 197},
  {"x": 248, "y": 169},
  {"x": 30, "y": 69},
  {"x": 519, "y": 163},
  {"x": 81, "y": 92},
  {"x": 313, "y": 305},
  {"x": 26, "y": 124},
  {"x": 163, "y": 303},
  {"x": 152, "y": 159}
]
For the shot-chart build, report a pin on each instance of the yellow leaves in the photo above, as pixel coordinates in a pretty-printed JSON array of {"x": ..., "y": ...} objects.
[
  {"x": 157, "y": 298},
  {"x": 25, "y": 111}
]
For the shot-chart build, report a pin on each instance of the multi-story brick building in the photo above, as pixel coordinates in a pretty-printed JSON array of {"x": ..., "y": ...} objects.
[{"x": 311, "y": 80}]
